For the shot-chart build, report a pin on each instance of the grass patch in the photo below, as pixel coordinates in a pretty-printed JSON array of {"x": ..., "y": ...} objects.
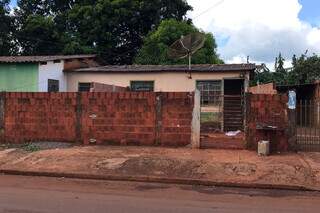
[
  {"x": 209, "y": 117},
  {"x": 29, "y": 147}
]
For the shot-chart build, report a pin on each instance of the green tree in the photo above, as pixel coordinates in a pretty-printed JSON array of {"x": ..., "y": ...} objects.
[
  {"x": 280, "y": 76},
  {"x": 306, "y": 69},
  {"x": 42, "y": 26},
  {"x": 157, "y": 43},
  {"x": 114, "y": 29},
  {"x": 6, "y": 29},
  {"x": 39, "y": 36}
]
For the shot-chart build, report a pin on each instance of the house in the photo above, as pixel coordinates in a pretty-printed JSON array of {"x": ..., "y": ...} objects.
[
  {"x": 166, "y": 78},
  {"x": 39, "y": 73},
  {"x": 221, "y": 86}
]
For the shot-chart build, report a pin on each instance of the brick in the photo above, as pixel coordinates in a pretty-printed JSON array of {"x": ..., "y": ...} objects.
[{"x": 122, "y": 118}]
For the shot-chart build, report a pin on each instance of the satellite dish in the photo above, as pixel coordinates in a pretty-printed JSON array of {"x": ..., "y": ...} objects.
[{"x": 187, "y": 46}]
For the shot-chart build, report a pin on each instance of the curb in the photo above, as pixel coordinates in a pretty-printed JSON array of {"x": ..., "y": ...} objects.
[{"x": 150, "y": 179}]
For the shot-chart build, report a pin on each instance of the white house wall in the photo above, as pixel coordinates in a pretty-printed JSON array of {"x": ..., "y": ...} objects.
[
  {"x": 165, "y": 82},
  {"x": 53, "y": 71}
]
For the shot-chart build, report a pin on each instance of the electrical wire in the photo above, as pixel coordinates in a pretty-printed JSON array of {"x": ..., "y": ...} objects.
[{"x": 207, "y": 10}]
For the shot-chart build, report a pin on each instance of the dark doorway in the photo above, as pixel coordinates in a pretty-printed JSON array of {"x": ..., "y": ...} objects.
[{"x": 233, "y": 113}]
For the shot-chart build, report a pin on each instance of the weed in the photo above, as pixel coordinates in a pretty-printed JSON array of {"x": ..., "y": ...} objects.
[{"x": 29, "y": 147}]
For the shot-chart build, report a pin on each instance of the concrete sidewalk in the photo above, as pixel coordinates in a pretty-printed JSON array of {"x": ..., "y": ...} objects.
[{"x": 209, "y": 167}]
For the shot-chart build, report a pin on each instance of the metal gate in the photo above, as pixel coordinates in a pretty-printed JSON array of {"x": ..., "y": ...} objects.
[{"x": 308, "y": 125}]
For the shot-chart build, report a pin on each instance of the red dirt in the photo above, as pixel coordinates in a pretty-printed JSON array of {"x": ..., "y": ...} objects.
[{"x": 215, "y": 165}]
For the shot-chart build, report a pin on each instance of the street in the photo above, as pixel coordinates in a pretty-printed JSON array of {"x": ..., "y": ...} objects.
[{"x": 19, "y": 194}]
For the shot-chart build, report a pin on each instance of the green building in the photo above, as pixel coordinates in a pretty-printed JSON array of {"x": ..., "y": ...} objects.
[{"x": 38, "y": 73}]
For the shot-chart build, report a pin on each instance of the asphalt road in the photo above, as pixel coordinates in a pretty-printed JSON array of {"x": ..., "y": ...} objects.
[{"x": 20, "y": 194}]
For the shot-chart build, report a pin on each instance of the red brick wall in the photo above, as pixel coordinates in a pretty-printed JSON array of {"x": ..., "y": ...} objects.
[
  {"x": 263, "y": 111},
  {"x": 176, "y": 118},
  {"x": 126, "y": 118},
  {"x": 39, "y": 117}
]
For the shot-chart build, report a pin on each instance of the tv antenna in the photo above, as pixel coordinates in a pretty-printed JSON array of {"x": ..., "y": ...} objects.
[{"x": 186, "y": 46}]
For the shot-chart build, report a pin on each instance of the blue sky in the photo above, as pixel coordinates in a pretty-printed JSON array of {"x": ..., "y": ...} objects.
[{"x": 310, "y": 11}]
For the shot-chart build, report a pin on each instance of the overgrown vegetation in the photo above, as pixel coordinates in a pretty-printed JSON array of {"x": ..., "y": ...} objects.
[{"x": 305, "y": 69}]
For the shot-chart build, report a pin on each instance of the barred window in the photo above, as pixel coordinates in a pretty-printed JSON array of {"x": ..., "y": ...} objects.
[
  {"x": 53, "y": 85},
  {"x": 84, "y": 87},
  {"x": 142, "y": 86},
  {"x": 211, "y": 92}
]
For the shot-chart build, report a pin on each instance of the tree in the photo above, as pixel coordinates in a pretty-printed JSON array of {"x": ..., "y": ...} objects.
[
  {"x": 6, "y": 29},
  {"x": 280, "y": 74},
  {"x": 305, "y": 69},
  {"x": 116, "y": 28},
  {"x": 42, "y": 26},
  {"x": 157, "y": 43}
]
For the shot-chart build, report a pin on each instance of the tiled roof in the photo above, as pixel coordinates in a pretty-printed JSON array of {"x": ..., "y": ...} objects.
[
  {"x": 170, "y": 68},
  {"x": 25, "y": 59}
]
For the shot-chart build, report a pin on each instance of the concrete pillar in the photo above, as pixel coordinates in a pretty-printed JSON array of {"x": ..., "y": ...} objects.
[
  {"x": 158, "y": 124},
  {"x": 79, "y": 119},
  {"x": 195, "y": 126},
  {"x": 2, "y": 118}
]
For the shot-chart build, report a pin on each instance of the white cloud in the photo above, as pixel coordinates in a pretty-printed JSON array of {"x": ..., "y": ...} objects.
[{"x": 258, "y": 28}]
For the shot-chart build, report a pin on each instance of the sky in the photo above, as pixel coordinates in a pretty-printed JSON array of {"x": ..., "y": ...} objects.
[{"x": 260, "y": 29}]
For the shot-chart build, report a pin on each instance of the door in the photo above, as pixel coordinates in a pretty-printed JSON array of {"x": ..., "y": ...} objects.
[{"x": 233, "y": 105}]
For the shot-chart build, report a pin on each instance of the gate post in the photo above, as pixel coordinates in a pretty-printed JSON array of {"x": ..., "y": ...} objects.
[
  {"x": 78, "y": 125},
  {"x": 195, "y": 125},
  {"x": 158, "y": 124},
  {"x": 292, "y": 122}
]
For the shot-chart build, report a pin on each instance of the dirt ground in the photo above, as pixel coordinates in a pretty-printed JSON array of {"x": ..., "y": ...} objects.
[{"x": 236, "y": 166}]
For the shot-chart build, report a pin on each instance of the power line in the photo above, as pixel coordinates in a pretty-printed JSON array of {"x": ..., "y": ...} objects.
[{"x": 207, "y": 10}]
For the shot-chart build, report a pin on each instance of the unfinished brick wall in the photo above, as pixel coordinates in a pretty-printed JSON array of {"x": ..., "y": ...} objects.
[
  {"x": 123, "y": 118},
  {"x": 264, "y": 112},
  {"x": 39, "y": 117}
]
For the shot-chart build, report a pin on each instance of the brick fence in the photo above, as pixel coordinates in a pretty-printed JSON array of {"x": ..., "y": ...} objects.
[
  {"x": 123, "y": 118},
  {"x": 267, "y": 119}
]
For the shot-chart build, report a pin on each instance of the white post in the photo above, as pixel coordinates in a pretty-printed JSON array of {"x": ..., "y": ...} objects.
[{"x": 195, "y": 125}]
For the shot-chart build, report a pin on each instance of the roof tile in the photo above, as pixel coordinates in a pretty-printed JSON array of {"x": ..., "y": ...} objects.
[
  {"x": 170, "y": 68},
  {"x": 29, "y": 59}
]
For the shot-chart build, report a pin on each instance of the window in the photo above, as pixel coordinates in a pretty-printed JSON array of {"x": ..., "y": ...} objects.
[
  {"x": 84, "y": 87},
  {"x": 53, "y": 85},
  {"x": 56, "y": 61},
  {"x": 211, "y": 92},
  {"x": 43, "y": 63},
  {"x": 142, "y": 86}
]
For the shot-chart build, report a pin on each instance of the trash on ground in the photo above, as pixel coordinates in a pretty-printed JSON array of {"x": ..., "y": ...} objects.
[{"x": 233, "y": 133}]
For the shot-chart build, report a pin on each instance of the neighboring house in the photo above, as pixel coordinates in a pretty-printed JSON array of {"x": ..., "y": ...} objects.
[
  {"x": 264, "y": 89},
  {"x": 39, "y": 73},
  {"x": 307, "y": 109},
  {"x": 221, "y": 86}
]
